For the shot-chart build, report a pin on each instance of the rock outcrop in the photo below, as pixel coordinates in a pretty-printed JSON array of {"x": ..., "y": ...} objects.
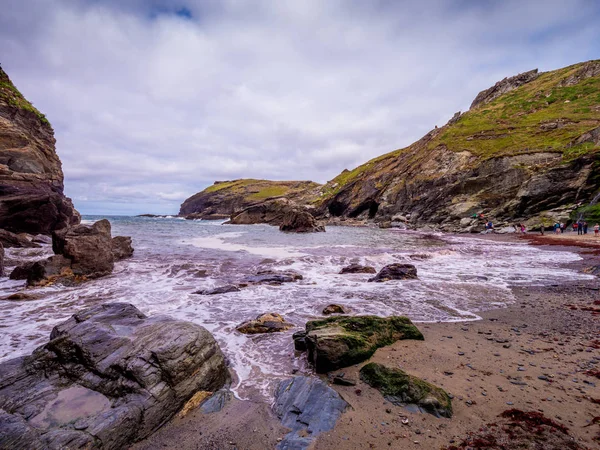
[
  {"x": 225, "y": 199},
  {"x": 81, "y": 252},
  {"x": 15, "y": 240},
  {"x": 109, "y": 376},
  {"x": 287, "y": 215},
  {"x": 308, "y": 407},
  {"x": 268, "y": 276},
  {"x": 402, "y": 389},
  {"x": 524, "y": 152},
  {"x": 31, "y": 178},
  {"x": 342, "y": 341}
]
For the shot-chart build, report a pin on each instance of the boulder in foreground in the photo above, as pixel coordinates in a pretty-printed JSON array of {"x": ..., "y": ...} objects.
[
  {"x": 109, "y": 376},
  {"x": 396, "y": 272},
  {"x": 400, "y": 388},
  {"x": 342, "y": 341},
  {"x": 308, "y": 407}
]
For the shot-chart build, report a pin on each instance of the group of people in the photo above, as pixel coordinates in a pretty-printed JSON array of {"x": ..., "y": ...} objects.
[{"x": 580, "y": 226}]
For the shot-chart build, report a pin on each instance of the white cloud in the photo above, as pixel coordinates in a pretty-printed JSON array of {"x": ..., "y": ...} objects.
[{"x": 150, "y": 107}]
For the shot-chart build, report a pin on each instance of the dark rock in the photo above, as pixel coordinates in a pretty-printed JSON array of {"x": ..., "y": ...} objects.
[
  {"x": 308, "y": 407},
  {"x": 273, "y": 277},
  {"x": 334, "y": 309},
  {"x": 357, "y": 268},
  {"x": 109, "y": 376},
  {"x": 219, "y": 290},
  {"x": 396, "y": 272},
  {"x": 300, "y": 221},
  {"x": 8, "y": 240},
  {"x": 41, "y": 239},
  {"x": 400, "y": 388},
  {"x": 299, "y": 338},
  {"x": 342, "y": 381},
  {"x": 31, "y": 178},
  {"x": 50, "y": 270},
  {"x": 216, "y": 402},
  {"x": 2, "y": 272},
  {"x": 22, "y": 272},
  {"x": 89, "y": 247},
  {"x": 22, "y": 296},
  {"x": 265, "y": 323},
  {"x": 121, "y": 247},
  {"x": 504, "y": 86},
  {"x": 342, "y": 341}
]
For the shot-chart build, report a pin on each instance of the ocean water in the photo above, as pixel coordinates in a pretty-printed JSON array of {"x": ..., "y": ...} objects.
[{"x": 458, "y": 278}]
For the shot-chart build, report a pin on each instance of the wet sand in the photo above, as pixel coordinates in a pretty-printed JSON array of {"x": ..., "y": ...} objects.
[{"x": 542, "y": 353}]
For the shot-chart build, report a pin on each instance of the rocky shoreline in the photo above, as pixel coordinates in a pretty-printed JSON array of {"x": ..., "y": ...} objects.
[{"x": 540, "y": 355}]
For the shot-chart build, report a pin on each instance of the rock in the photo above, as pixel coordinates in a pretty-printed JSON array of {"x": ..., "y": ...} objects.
[
  {"x": 89, "y": 247},
  {"x": 108, "y": 377},
  {"x": 357, "y": 268},
  {"x": 41, "y": 239},
  {"x": 299, "y": 338},
  {"x": 121, "y": 247},
  {"x": 299, "y": 221},
  {"x": 31, "y": 179},
  {"x": 342, "y": 341},
  {"x": 400, "y": 388},
  {"x": 396, "y": 272},
  {"x": 220, "y": 290},
  {"x": 22, "y": 296},
  {"x": 342, "y": 381},
  {"x": 334, "y": 309},
  {"x": 22, "y": 272},
  {"x": 2, "y": 271},
  {"x": 13, "y": 240},
  {"x": 265, "y": 323},
  {"x": 50, "y": 270},
  {"x": 216, "y": 402},
  {"x": 308, "y": 407},
  {"x": 273, "y": 277},
  {"x": 504, "y": 86}
]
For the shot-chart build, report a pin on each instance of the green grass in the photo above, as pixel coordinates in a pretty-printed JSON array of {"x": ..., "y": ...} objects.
[
  {"x": 11, "y": 95},
  {"x": 271, "y": 191},
  {"x": 591, "y": 214}
]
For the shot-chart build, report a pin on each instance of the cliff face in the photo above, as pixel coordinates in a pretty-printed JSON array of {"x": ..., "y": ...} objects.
[
  {"x": 226, "y": 198},
  {"x": 527, "y": 150},
  {"x": 31, "y": 178}
]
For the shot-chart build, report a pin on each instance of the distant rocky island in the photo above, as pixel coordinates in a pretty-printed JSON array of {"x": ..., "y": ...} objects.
[{"x": 527, "y": 151}]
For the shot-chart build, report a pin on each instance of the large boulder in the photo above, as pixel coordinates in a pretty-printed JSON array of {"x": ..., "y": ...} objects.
[
  {"x": 108, "y": 377},
  {"x": 32, "y": 199},
  {"x": 401, "y": 389},
  {"x": 89, "y": 247},
  {"x": 300, "y": 221},
  {"x": 357, "y": 268},
  {"x": 307, "y": 406},
  {"x": 121, "y": 247},
  {"x": 338, "y": 342},
  {"x": 396, "y": 272}
]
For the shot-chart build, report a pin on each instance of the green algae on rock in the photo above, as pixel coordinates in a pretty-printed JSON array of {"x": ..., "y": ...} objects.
[
  {"x": 342, "y": 341},
  {"x": 400, "y": 388}
]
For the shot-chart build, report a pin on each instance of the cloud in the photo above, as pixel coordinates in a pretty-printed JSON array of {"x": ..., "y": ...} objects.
[{"x": 151, "y": 101}]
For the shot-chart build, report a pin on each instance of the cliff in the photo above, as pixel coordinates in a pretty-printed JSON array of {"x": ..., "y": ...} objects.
[
  {"x": 527, "y": 150},
  {"x": 31, "y": 178},
  {"x": 227, "y": 198}
]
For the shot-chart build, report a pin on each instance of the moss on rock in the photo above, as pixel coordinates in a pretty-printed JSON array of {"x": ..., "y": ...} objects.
[
  {"x": 341, "y": 341},
  {"x": 400, "y": 388}
]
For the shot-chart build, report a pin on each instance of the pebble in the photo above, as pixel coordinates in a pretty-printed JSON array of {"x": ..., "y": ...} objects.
[
  {"x": 509, "y": 403},
  {"x": 461, "y": 354}
]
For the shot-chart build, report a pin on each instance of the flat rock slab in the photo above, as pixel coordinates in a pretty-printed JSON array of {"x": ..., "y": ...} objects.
[
  {"x": 273, "y": 277},
  {"x": 308, "y": 407},
  {"x": 109, "y": 376}
]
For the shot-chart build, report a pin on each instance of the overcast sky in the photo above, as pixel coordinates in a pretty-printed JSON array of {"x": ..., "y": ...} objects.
[{"x": 153, "y": 100}]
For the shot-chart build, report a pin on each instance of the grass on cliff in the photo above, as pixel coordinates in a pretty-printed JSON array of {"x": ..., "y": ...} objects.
[
  {"x": 257, "y": 190},
  {"x": 12, "y": 96},
  {"x": 516, "y": 122}
]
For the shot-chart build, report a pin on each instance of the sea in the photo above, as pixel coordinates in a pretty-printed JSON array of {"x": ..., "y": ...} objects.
[{"x": 458, "y": 277}]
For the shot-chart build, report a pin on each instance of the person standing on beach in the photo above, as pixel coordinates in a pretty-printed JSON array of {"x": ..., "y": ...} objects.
[
  {"x": 542, "y": 229},
  {"x": 562, "y": 227},
  {"x": 579, "y": 228},
  {"x": 575, "y": 226},
  {"x": 596, "y": 230},
  {"x": 557, "y": 228},
  {"x": 585, "y": 227}
]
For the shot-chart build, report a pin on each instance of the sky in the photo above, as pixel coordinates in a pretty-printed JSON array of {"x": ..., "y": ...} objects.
[{"x": 153, "y": 100}]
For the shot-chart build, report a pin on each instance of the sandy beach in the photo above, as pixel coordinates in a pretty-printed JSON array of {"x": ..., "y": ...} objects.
[{"x": 541, "y": 354}]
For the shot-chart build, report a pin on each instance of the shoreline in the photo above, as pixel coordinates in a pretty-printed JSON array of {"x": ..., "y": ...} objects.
[{"x": 489, "y": 366}]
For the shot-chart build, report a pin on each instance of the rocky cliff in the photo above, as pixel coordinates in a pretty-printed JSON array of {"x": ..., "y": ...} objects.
[
  {"x": 527, "y": 150},
  {"x": 227, "y": 198},
  {"x": 31, "y": 178}
]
